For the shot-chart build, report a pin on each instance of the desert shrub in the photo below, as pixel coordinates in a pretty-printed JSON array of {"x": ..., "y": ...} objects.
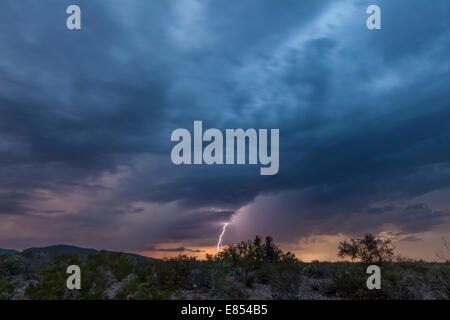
[
  {"x": 7, "y": 289},
  {"x": 415, "y": 280},
  {"x": 349, "y": 282},
  {"x": 121, "y": 265},
  {"x": 367, "y": 249},
  {"x": 318, "y": 270},
  {"x": 128, "y": 289},
  {"x": 143, "y": 270},
  {"x": 252, "y": 254},
  {"x": 248, "y": 277},
  {"x": 398, "y": 281},
  {"x": 286, "y": 281},
  {"x": 434, "y": 281},
  {"x": 165, "y": 275},
  {"x": 95, "y": 276},
  {"x": 67, "y": 259},
  {"x": 27, "y": 254},
  {"x": 94, "y": 283},
  {"x": 183, "y": 266},
  {"x": 163, "y": 286},
  {"x": 142, "y": 293},
  {"x": 51, "y": 285},
  {"x": 200, "y": 276},
  {"x": 217, "y": 272},
  {"x": 13, "y": 265},
  {"x": 445, "y": 279},
  {"x": 98, "y": 260},
  {"x": 309, "y": 270},
  {"x": 252, "y": 260},
  {"x": 223, "y": 276},
  {"x": 264, "y": 273},
  {"x": 345, "y": 282},
  {"x": 210, "y": 275}
]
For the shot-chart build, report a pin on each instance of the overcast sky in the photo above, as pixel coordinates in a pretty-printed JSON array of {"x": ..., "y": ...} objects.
[{"x": 86, "y": 118}]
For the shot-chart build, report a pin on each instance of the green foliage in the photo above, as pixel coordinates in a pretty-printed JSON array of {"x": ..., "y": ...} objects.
[
  {"x": 183, "y": 266},
  {"x": 7, "y": 289},
  {"x": 349, "y": 282},
  {"x": 399, "y": 281},
  {"x": 12, "y": 265},
  {"x": 310, "y": 270},
  {"x": 27, "y": 254},
  {"x": 217, "y": 273},
  {"x": 93, "y": 284},
  {"x": 129, "y": 290},
  {"x": 121, "y": 265},
  {"x": 238, "y": 272},
  {"x": 318, "y": 270},
  {"x": 67, "y": 259},
  {"x": 253, "y": 254},
  {"x": 94, "y": 278},
  {"x": 346, "y": 282},
  {"x": 164, "y": 285},
  {"x": 144, "y": 270},
  {"x": 286, "y": 281},
  {"x": 264, "y": 273},
  {"x": 444, "y": 271},
  {"x": 51, "y": 286},
  {"x": 252, "y": 260}
]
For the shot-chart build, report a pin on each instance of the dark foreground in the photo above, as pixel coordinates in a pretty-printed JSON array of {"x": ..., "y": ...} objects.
[{"x": 248, "y": 271}]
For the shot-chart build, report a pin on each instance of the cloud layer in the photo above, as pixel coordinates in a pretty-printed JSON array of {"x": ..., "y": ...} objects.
[{"x": 86, "y": 118}]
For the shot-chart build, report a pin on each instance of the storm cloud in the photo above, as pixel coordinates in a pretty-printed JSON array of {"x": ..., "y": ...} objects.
[{"x": 86, "y": 118}]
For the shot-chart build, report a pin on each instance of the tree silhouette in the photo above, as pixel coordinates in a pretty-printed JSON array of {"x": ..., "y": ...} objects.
[{"x": 367, "y": 249}]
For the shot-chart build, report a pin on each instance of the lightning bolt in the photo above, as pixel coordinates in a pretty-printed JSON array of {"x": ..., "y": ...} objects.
[{"x": 221, "y": 235}]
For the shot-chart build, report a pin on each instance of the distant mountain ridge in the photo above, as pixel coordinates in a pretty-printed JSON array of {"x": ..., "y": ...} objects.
[
  {"x": 8, "y": 251},
  {"x": 66, "y": 249},
  {"x": 62, "y": 249}
]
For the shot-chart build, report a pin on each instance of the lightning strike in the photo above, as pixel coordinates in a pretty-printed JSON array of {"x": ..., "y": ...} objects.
[{"x": 221, "y": 235}]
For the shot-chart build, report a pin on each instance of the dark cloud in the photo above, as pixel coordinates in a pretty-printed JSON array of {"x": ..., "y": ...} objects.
[
  {"x": 411, "y": 239},
  {"x": 179, "y": 249},
  {"x": 11, "y": 203},
  {"x": 86, "y": 116}
]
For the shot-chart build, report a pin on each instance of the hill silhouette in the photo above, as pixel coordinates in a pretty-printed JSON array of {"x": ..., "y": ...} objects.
[
  {"x": 66, "y": 249},
  {"x": 62, "y": 249},
  {"x": 8, "y": 251}
]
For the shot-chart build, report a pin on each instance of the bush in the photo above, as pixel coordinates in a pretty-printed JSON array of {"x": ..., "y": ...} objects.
[
  {"x": 165, "y": 281},
  {"x": 253, "y": 260},
  {"x": 121, "y": 266},
  {"x": 309, "y": 270},
  {"x": 217, "y": 272},
  {"x": 224, "y": 276},
  {"x": 51, "y": 286},
  {"x": 128, "y": 290},
  {"x": 286, "y": 281},
  {"x": 144, "y": 270},
  {"x": 445, "y": 279},
  {"x": 13, "y": 265},
  {"x": 7, "y": 289},
  {"x": 183, "y": 266},
  {"x": 200, "y": 276},
  {"x": 350, "y": 282},
  {"x": 346, "y": 282},
  {"x": 367, "y": 249},
  {"x": 253, "y": 254}
]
